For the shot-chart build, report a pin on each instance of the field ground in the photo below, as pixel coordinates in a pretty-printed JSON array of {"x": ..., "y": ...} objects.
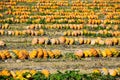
[{"x": 102, "y": 21}]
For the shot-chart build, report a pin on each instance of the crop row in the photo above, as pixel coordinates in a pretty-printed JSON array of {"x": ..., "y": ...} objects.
[
  {"x": 65, "y": 26},
  {"x": 72, "y": 26},
  {"x": 99, "y": 33},
  {"x": 103, "y": 74},
  {"x": 46, "y": 54},
  {"x": 22, "y": 32},
  {"x": 52, "y": 12},
  {"x": 76, "y": 41}
]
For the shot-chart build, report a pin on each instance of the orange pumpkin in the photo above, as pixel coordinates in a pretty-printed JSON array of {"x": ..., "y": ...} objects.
[
  {"x": 40, "y": 53},
  {"x": 41, "y": 41},
  {"x": 94, "y": 52},
  {"x": 112, "y": 72},
  {"x": 45, "y": 72},
  {"x": 45, "y": 54}
]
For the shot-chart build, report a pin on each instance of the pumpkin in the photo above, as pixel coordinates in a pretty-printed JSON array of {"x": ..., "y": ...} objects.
[
  {"x": 40, "y": 53},
  {"x": 21, "y": 55},
  {"x": 34, "y": 41},
  {"x": 41, "y": 41},
  {"x": 57, "y": 53},
  {"x": 94, "y": 52},
  {"x": 36, "y": 33},
  {"x": 41, "y": 31},
  {"x": 50, "y": 53},
  {"x": 115, "y": 27},
  {"x": 6, "y": 53},
  {"x": 115, "y": 52},
  {"x": 33, "y": 72},
  {"x": 112, "y": 72},
  {"x": 32, "y": 33},
  {"x": 2, "y": 43},
  {"x": 57, "y": 41},
  {"x": 13, "y": 74},
  {"x": 2, "y": 32},
  {"x": 88, "y": 41},
  {"x": 108, "y": 42},
  {"x": 108, "y": 52},
  {"x": 45, "y": 54},
  {"x": 93, "y": 42},
  {"x": 62, "y": 40},
  {"x": 101, "y": 42},
  {"x": 17, "y": 33},
  {"x": 13, "y": 54},
  {"x": 9, "y": 32},
  {"x": 81, "y": 40},
  {"x": 96, "y": 71},
  {"x": 71, "y": 41},
  {"x": 47, "y": 41},
  {"x": 33, "y": 54},
  {"x": 5, "y": 72},
  {"x": 6, "y": 26},
  {"x": 118, "y": 71},
  {"x": 74, "y": 33},
  {"x": 68, "y": 33},
  {"x": 79, "y": 54},
  {"x": 115, "y": 41},
  {"x": 64, "y": 33},
  {"x": 53, "y": 41},
  {"x": 31, "y": 27},
  {"x": 104, "y": 71},
  {"x": 67, "y": 41},
  {"x": 2, "y": 55},
  {"x": 45, "y": 72},
  {"x": 86, "y": 53}
]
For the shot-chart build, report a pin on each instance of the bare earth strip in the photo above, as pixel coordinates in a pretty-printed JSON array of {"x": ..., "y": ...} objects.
[{"x": 85, "y": 65}]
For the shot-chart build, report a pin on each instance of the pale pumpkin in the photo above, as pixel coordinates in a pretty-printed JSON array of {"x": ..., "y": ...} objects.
[
  {"x": 79, "y": 54},
  {"x": 34, "y": 41}
]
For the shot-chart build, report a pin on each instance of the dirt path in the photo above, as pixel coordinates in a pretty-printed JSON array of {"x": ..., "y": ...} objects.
[{"x": 84, "y": 65}]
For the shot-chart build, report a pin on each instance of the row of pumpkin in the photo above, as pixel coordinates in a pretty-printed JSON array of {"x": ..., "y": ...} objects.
[
  {"x": 34, "y": 74},
  {"x": 44, "y": 53},
  {"x": 71, "y": 26},
  {"x": 65, "y": 26},
  {"x": 87, "y": 13},
  {"x": 24, "y": 54},
  {"x": 59, "y": 21},
  {"x": 22, "y": 32},
  {"x": 76, "y": 41},
  {"x": 55, "y": 15},
  {"x": 98, "y": 33}
]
